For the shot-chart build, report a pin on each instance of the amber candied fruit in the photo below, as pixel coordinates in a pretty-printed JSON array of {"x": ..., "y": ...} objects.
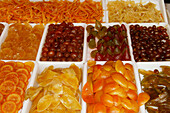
[
  {"x": 1, "y": 28},
  {"x": 64, "y": 42},
  {"x": 22, "y": 42}
]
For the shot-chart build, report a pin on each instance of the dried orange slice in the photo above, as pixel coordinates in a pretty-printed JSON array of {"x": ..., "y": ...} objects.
[
  {"x": 12, "y": 63},
  {"x": 67, "y": 90},
  {"x": 70, "y": 102},
  {"x": 1, "y": 97},
  {"x": 7, "y": 87},
  {"x": 12, "y": 78},
  {"x": 28, "y": 68},
  {"x": 23, "y": 77},
  {"x": 20, "y": 64},
  {"x": 3, "y": 74},
  {"x": 7, "y": 68},
  {"x": 19, "y": 106},
  {"x": 22, "y": 70},
  {"x": 2, "y": 63},
  {"x": 9, "y": 107},
  {"x": 21, "y": 84},
  {"x": 44, "y": 103},
  {"x": 14, "y": 98},
  {"x": 19, "y": 90},
  {"x": 31, "y": 64}
]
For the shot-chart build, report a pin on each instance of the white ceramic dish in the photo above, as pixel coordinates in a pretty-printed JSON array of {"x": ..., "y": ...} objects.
[
  {"x": 41, "y": 66},
  {"x": 30, "y": 82},
  {"x": 44, "y": 38},
  {"x": 108, "y": 25},
  {"x": 141, "y": 110},
  {"x": 150, "y": 66},
  {"x": 160, "y": 5}
]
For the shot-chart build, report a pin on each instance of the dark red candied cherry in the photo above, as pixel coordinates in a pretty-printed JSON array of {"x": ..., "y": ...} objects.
[
  {"x": 43, "y": 59},
  {"x": 99, "y": 57},
  {"x": 44, "y": 54},
  {"x": 50, "y": 40},
  {"x": 47, "y": 45},
  {"x": 50, "y": 59},
  {"x": 63, "y": 59},
  {"x": 45, "y": 49},
  {"x": 66, "y": 54},
  {"x": 69, "y": 59},
  {"x": 74, "y": 55},
  {"x": 55, "y": 44},
  {"x": 59, "y": 54},
  {"x": 56, "y": 59},
  {"x": 51, "y": 53}
]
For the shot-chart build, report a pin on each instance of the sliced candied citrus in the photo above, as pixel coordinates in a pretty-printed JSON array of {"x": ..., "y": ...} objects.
[
  {"x": 2, "y": 63},
  {"x": 3, "y": 74},
  {"x": 31, "y": 64},
  {"x": 20, "y": 65},
  {"x": 19, "y": 90},
  {"x": 57, "y": 89},
  {"x": 14, "y": 98},
  {"x": 99, "y": 108},
  {"x": 7, "y": 68},
  {"x": 69, "y": 80},
  {"x": 21, "y": 84},
  {"x": 12, "y": 74},
  {"x": 7, "y": 87},
  {"x": 8, "y": 107},
  {"x": 126, "y": 103},
  {"x": 120, "y": 92},
  {"x": 55, "y": 102},
  {"x": 19, "y": 106},
  {"x": 28, "y": 68},
  {"x": 23, "y": 77},
  {"x": 129, "y": 67},
  {"x": 143, "y": 98},
  {"x": 1, "y": 97},
  {"x": 77, "y": 71},
  {"x": 67, "y": 90},
  {"x": 32, "y": 93},
  {"x": 45, "y": 82},
  {"x": 119, "y": 66},
  {"x": 12, "y": 78},
  {"x": 22, "y": 70},
  {"x": 44, "y": 103},
  {"x": 70, "y": 102}
]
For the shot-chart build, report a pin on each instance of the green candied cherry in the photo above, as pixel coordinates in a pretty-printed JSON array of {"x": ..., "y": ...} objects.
[
  {"x": 94, "y": 33},
  {"x": 93, "y": 53},
  {"x": 89, "y": 28},
  {"x": 98, "y": 25},
  {"x": 92, "y": 44}
]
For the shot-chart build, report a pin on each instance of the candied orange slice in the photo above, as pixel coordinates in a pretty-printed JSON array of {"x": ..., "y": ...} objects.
[
  {"x": 132, "y": 94},
  {"x": 12, "y": 77},
  {"x": 44, "y": 103},
  {"x": 14, "y": 98},
  {"x": 120, "y": 92},
  {"x": 21, "y": 84},
  {"x": 1, "y": 97},
  {"x": 2, "y": 63},
  {"x": 113, "y": 109},
  {"x": 31, "y": 64},
  {"x": 7, "y": 68},
  {"x": 99, "y": 108},
  {"x": 20, "y": 64},
  {"x": 131, "y": 85},
  {"x": 135, "y": 106},
  {"x": 120, "y": 79},
  {"x": 3, "y": 74},
  {"x": 19, "y": 106},
  {"x": 70, "y": 102},
  {"x": 57, "y": 89},
  {"x": 22, "y": 70},
  {"x": 107, "y": 100},
  {"x": 119, "y": 66},
  {"x": 97, "y": 96},
  {"x": 110, "y": 87},
  {"x": 98, "y": 85},
  {"x": 129, "y": 67},
  {"x": 19, "y": 90},
  {"x": 126, "y": 103},
  {"x": 7, "y": 87},
  {"x": 8, "y": 107},
  {"x": 77, "y": 70},
  {"x": 23, "y": 77}
]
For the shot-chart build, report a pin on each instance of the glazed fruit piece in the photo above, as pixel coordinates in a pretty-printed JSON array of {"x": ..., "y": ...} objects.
[
  {"x": 108, "y": 89},
  {"x": 111, "y": 42},
  {"x": 14, "y": 78},
  {"x": 64, "y": 42},
  {"x": 150, "y": 43},
  {"x": 1, "y": 28}
]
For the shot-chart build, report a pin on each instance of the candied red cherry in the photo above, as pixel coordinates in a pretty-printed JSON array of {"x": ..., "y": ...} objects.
[
  {"x": 45, "y": 49},
  {"x": 51, "y": 53},
  {"x": 44, "y": 54},
  {"x": 90, "y": 37},
  {"x": 59, "y": 54},
  {"x": 98, "y": 57},
  {"x": 43, "y": 59},
  {"x": 73, "y": 55}
]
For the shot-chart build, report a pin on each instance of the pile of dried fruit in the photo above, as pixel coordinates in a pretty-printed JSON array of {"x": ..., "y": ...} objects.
[
  {"x": 111, "y": 88},
  {"x": 64, "y": 42},
  {"x": 14, "y": 78},
  {"x": 157, "y": 85},
  {"x": 21, "y": 11},
  {"x": 22, "y": 42},
  {"x": 150, "y": 43},
  {"x": 57, "y": 91},
  {"x": 111, "y": 44}
]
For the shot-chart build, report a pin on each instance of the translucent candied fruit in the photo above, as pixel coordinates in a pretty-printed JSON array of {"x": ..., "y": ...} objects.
[{"x": 22, "y": 42}]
